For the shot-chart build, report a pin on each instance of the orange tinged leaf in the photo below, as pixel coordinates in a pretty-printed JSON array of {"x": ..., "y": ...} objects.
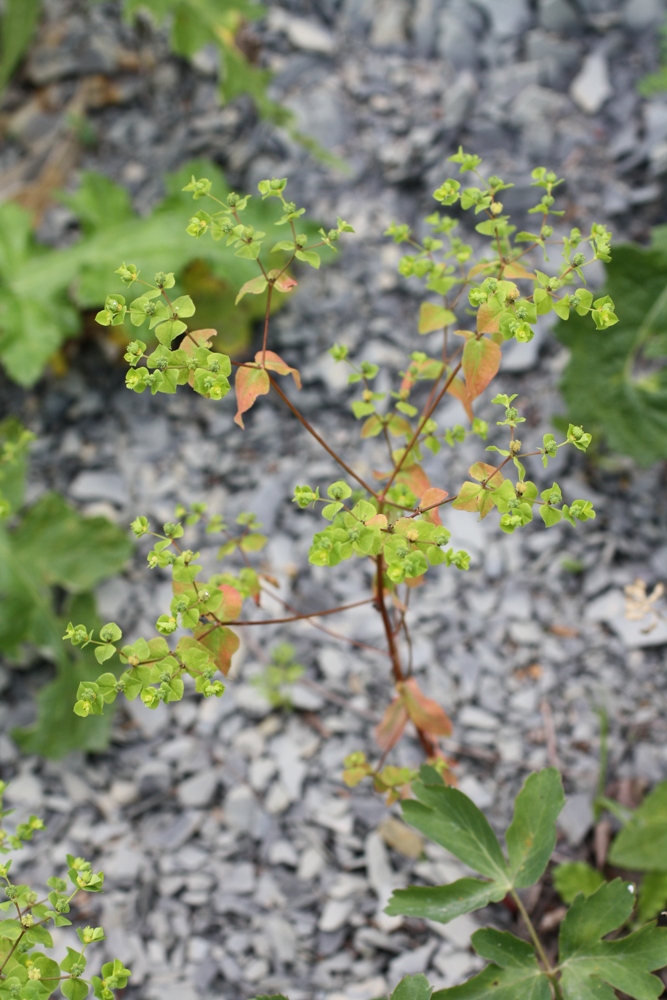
[
  {"x": 379, "y": 521},
  {"x": 457, "y": 388},
  {"x": 434, "y": 317},
  {"x": 281, "y": 281},
  {"x": 482, "y": 471},
  {"x": 481, "y": 361},
  {"x": 221, "y": 642},
  {"x": 433, "y": 495},
  {"x": 426, "y": 714},
  {"x": 415, "y": 479},
  {"x": 517, "y": 270},
  {"x": 468, "y": 497},
  {"x": 250, "y": 383},
  {"x": 394, "y": 721},
  {"x": 487, "y": 317},
  {"x": 274, "y": 363},
  {"x": 230, "y": 609}
]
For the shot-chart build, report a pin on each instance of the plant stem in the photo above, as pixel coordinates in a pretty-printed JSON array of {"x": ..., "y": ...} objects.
[
  {"x": 267, "y": 315},
  {"x": 300, "y": 617},
  {"x": 311, "y": 430},
  {"x": 550, "y": 971},
  {"x": 429, "y": 409},
  {"x": 427, "y": 744}
]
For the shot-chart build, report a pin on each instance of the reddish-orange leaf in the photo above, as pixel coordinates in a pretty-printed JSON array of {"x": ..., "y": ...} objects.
[
  {"x": 426, "y": 714},
  {"x": 487, "y": 317},
  {"x": 457, "y": 388},
  {"x": 250, "y": 383},
  {"x": 232, "y": 602},
  {"x": 434, "y": 317},
  {"x": 394, "y": 721},
  {"x": 222, "y": 643},
  {"x": 275, "y": 363},
  {"x": 282, "y": 282},
  {"x": 433, "y": 495},
  {"x": 379, "y": 521},
  {"x": 415, "y": 479},
  {"x": 481, "y": 361},
  {"x": 517, "y": 270}
]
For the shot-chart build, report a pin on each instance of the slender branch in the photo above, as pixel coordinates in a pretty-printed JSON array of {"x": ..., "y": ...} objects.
[
  {"x": 298, "y": 617},
  {"x": 533, "y": 934},
  {"x": 267, "y": 316},
  {"x": 428, "y": 410},
  {"x": 311, "y": 430}
]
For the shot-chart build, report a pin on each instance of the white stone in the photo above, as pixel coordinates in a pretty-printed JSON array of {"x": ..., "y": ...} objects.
[
  {"x": 457, "y": 931},
  {"x": 591, "y": 86},
  {"x": 335, "y": 914},
  {"x": 260, "y": 773},
  {"x": 311, "y": 864},
  {"x": 278, "y": 799},
  {"x": 577, "y": 818},
  {"x": 281, "y": 852},
  {"x": 303, "y": 34},
  {"x": 471, "y": 787},
  {"x": 476, "y": 718}
]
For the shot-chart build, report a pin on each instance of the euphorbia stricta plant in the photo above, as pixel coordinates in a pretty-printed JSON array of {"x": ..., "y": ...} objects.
[{"x": 392, "y": 518}]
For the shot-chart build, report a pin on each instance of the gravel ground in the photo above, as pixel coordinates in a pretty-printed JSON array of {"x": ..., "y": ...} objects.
[{"x": 236, "y": 860}]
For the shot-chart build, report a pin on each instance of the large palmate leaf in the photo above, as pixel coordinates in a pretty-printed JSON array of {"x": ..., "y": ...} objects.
[
  {"x": 642, "y": 843},
  {"x": 51, "y": 545},
  {"x": 531, "y": 836},
  {"x": 616, "y": 380},
  {"x": 513, "y": 975},
  {"x": 42, "y": 290},
  {"x": 593, "y": 968}
]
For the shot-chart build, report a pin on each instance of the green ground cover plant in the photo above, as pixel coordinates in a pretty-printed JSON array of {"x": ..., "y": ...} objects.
[
  {"x": 44, "y": 291},
  {"x": 616, "y": 380},
  {"x": 51, "y": 558}
]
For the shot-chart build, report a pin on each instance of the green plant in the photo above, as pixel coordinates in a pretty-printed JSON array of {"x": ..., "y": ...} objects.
[
  {"x": 588, "y": 964},
  {"x": 656, "y": 83},
  {"x": 278, "y": 678},
  {"x": 394, "y": 525},
  {"x": 19, "y": 21},
  {"x": 50, "y": 559},
  {"x": 616, "y": 379},
  {"x": 42, "y": 290},
  {"x": 26, "y": 971}
]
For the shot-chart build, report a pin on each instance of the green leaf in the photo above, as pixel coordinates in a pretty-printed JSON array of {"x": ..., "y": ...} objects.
[
  {"x": 445, "y": 902},
  {"x": 642, "y": 844},
  {"x": 42, "y": 290},
  {"x": 652, "y": 895},
  {"x": 19, "y": 21},
  {"x": 309, "y": 257},
  {"x": 452, "y": 820},
  {"x": 531, "y": 836},
  {"x": 412, "y": 988},
  {"x": 616, "y": 380},
  {"x": 574, "y": 877},
  {"x": 514, "y": 974},
  {"x": 74, "y": 989},
  {"x": 434, "y": 317},
  {"x": 591, "y": 966},
  {"x": 103, "y": 653}
]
